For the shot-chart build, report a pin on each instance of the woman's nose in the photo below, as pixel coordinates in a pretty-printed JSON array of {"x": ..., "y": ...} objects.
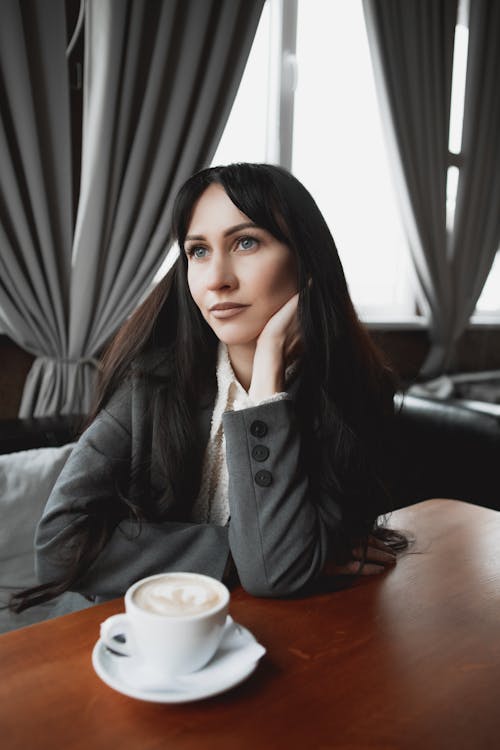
[{"x": 220, "y": 274}]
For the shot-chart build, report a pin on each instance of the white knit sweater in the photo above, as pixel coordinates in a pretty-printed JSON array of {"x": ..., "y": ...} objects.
[{"x": 212, "y": 505}]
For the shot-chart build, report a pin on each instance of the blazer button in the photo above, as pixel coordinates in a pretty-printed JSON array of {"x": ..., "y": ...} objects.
[
  {"x": 263, "y": 478},
  {"x": 260, "y": 452},
  {"x": 258, "y": 428}
]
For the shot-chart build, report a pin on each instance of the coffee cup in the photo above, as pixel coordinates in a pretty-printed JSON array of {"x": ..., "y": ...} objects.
[{"x": 172, "y": 625}]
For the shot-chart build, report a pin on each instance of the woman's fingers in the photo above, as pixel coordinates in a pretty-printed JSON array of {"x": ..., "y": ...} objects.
[
  {"x": 282, "y": 323},
  {"x": 373, "y": 541},
  {"x": 353, "y": 568},
  {"x": 375, "y": 560},
  {"x": 383, "y": 556},
  {"x": 366, "y": 569}
]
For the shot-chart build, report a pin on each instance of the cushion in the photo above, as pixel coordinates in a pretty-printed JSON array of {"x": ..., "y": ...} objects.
[{"x": 26, "y": 480}]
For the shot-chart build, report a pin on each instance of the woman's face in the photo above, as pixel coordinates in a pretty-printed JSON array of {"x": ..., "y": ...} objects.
[{"x": 239, "y": 275}]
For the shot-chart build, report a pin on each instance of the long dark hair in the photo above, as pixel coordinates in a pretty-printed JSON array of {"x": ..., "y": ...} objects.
[{"x": 345, "y": 397}]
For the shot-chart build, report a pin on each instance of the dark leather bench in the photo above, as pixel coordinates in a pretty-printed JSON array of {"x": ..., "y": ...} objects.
[
  {"x": 447, "y": 449},
  {"x": 38, "y": 432}
]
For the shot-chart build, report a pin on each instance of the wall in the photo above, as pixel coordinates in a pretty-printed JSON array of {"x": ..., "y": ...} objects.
[{"x": 477, "y": 350}]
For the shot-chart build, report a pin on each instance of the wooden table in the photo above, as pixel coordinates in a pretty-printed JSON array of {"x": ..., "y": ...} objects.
[{"x": 410, "y": 659}]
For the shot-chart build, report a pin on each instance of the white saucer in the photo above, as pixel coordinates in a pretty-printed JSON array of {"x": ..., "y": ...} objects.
[{"x": 235, "y": 660}]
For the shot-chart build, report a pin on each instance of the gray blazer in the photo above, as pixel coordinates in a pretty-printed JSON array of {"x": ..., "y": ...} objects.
[{"x": 279, "y": 534}]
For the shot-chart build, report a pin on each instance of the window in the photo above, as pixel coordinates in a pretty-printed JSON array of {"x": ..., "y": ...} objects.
[
  {"x": 245, "y": 134},
  {"x": 337, "y": 142},
  {"x": 339, "y": 153},
  {"x": 337, "y": 145},
  {"x": 488, "y": 304}
]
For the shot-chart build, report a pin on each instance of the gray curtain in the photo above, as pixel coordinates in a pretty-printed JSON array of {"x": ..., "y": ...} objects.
[
  {"x": 159, "y": 82},
  {"x": 476, "y": 235},
  {"x": 411, "y": 44},
  {"x": 35, "y": 181}
]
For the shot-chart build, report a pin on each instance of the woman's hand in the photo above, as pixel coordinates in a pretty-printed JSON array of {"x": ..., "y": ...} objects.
[
  {"x": 379, "y": 556},
  {"x": 278, "y": 344}
]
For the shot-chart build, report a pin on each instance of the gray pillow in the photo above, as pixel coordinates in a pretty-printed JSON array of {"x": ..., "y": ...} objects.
[{"x": 26, "y": 480}]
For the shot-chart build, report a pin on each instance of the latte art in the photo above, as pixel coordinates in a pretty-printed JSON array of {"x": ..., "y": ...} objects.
[{"x": 177, "y": 596}]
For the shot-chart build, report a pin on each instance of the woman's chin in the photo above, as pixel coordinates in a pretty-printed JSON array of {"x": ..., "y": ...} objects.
[
  {"x": 239, "y": 344},
  {"x": 235, "y": 339}
]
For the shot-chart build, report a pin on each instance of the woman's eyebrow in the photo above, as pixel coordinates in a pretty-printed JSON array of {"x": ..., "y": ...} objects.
[{"x": 227, "y": 232}]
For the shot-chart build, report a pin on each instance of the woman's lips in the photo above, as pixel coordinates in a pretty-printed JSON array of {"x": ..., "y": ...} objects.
[{"x": 225, "y": 311}]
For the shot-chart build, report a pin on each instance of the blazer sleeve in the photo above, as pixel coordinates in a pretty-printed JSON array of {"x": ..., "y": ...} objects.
[
  {"x": 280, "y": 536},
  {"x": 88, "y": 482}
]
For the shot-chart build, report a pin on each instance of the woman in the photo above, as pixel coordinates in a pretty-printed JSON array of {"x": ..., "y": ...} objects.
[{"x": 243, "y": 416}]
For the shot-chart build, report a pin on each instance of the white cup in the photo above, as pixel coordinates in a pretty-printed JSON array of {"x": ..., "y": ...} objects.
[{"x": 173, "y": 622}]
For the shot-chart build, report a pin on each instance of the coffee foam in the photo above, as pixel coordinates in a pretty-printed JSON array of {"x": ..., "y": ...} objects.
[{"x": 177, "y": 596}]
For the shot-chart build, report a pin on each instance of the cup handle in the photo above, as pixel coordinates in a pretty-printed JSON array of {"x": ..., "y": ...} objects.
[{"x": 113, "y": 626}]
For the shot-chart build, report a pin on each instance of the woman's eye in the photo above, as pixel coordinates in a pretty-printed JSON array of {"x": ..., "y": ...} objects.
[
  {"x": 197, "y": 252},
  {"x": 247, "y": 243}
]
